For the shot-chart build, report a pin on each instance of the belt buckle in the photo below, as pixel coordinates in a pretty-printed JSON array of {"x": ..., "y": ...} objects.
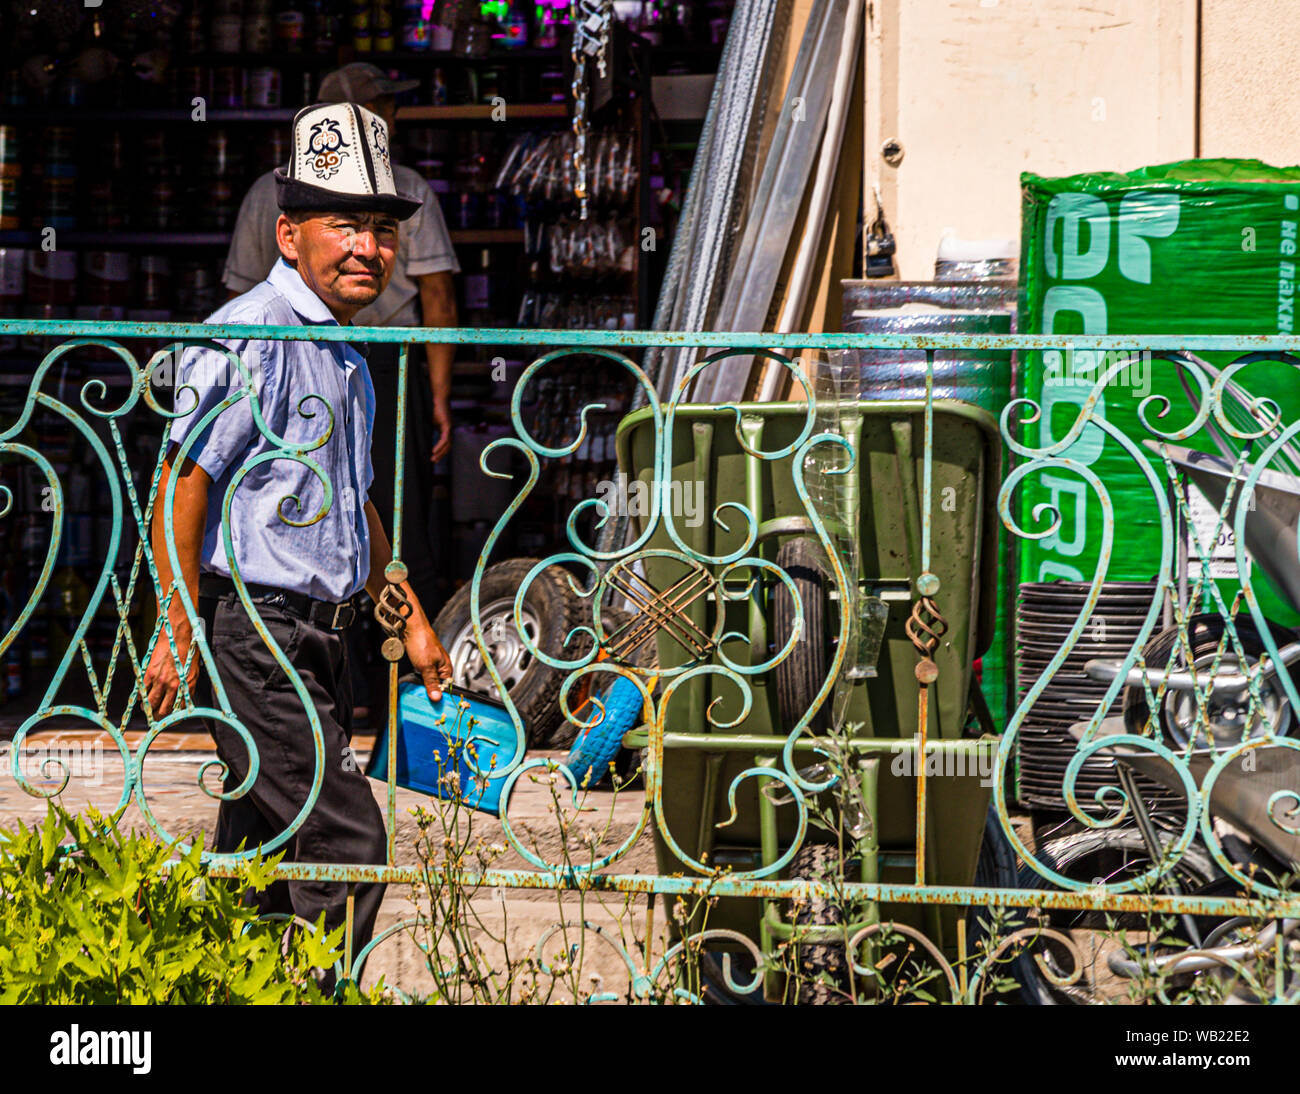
[{"x": 344, "y": 613}]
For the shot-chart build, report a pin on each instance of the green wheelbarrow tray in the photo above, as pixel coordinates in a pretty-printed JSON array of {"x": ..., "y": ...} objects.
[{"x": 708, "y": 459}]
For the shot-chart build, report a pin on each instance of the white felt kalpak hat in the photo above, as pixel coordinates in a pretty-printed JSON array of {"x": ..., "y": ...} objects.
[{"x": 339, "y": 163}]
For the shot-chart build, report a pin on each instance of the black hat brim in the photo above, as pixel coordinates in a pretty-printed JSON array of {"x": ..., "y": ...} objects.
[{"x": 294, "y": 195}]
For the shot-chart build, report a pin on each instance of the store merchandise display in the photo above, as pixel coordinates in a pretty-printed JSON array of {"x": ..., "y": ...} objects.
[
  {"x": 129, "y": 136},
  {"x": 718, "y": 186},
  {"x": 86, "y": 531}
]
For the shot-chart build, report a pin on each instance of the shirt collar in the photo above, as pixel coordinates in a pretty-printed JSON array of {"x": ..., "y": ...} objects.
[
  {"x": 287, "y": 281},
  {"x": 310, "y": 307}
]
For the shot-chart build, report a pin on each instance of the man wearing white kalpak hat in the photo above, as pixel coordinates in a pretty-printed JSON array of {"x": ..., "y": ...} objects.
[
  {"x": 303, "y": 564},
  {"x": 421, "y": 293}
]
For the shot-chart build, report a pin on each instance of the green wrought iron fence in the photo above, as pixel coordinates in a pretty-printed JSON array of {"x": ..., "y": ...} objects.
[{"x": 891, "y": 762}]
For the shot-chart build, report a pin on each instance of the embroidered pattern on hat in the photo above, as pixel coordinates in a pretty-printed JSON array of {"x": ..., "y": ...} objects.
[
  {"x": 379, "y": 135},
  {"x": 326, "y": 148}
]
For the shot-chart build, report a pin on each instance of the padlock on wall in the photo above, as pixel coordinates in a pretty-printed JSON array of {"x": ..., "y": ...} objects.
[{"x": 880, "y": 246}]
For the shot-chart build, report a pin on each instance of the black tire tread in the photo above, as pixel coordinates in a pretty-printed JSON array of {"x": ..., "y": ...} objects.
[
  {"x": 801, "y": 675},
  {"x": 823, "y": 966},
  {"x": 996, "y": 868},
  {"x": 558, "y": 609},
  {"x": 1061, "y": 852}
]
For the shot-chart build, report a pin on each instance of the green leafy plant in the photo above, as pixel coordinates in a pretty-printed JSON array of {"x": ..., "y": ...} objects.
[{"x": 90, "y": 915}]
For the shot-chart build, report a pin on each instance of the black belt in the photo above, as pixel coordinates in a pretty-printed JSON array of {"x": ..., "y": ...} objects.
[{"x": 320, "y": 613}]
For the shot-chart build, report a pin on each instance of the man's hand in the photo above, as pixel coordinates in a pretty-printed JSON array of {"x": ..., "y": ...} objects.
[
  {"x": 162, "y": 682},
  {"x": 442, "y": 419},
  {"x": 428, "y": 658}
]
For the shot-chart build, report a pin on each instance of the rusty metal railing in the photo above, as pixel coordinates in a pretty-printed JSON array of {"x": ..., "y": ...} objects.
[{"x": 716, "y": 744}]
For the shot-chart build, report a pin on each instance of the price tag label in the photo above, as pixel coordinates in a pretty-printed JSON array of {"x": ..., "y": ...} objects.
[{"x": 1217, "y": 541}]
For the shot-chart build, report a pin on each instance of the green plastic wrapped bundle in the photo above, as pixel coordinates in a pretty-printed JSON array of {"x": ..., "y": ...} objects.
[{"x": 1199, "y": 247}]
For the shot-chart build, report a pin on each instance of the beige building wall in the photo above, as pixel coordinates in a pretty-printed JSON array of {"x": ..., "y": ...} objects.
[
  {"x": 976, "y": 91},
  {"x": 1250, "y": 80}
]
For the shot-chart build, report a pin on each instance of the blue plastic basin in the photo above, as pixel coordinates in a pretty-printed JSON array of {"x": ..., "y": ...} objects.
[{"x": 426, "y": 734}]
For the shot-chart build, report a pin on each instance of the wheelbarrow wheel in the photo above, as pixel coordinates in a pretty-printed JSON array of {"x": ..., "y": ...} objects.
[
  {"x": 1104, "y": 855},
  {"x": 596, "y": 748},
  {"x": 801, "y": 675},
  {"x": 1110, "y": 856},
  {"x": 996, "y": 869},
  {"x": 822, "y": 967},
  {"x": 599, "y": 746},
  {"x": 1224, "y": 713},
  {"x": 549, "y": 613}
]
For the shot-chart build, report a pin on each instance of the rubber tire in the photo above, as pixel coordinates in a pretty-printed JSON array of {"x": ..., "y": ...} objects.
[
  {"x": 996, "y": 869},
  {"x": 1204, "y": 633},
  {"x": 718, "y": 993},
  {"x": 558, "y": 610},
  {"x": 801, "y": 675},
  {"x": 597, "y": 748},
  {"x": 1196, "y": 867},
  {"x": 823, "y": 961}
]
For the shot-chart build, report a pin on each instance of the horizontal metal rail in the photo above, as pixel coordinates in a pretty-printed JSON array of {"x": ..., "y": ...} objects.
[
  {"x": 739, "y": 742},
  {"x": 1094, "y": 899},
  {"x": 503, "y": 336}
]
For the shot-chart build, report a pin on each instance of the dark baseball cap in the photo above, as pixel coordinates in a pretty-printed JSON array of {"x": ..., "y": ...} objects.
[{"x": 360, "y": 83}]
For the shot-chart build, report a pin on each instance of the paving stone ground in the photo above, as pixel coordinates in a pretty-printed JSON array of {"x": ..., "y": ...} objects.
[{"x": 504, "y": 920}]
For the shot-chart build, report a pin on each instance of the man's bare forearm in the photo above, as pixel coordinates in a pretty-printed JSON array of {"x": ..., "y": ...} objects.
[
  {"x": 381, "y": 554},
  {"x": 189, "y": 522},
  {"x": 426, "y": 654},
  {"x": 438, "y": 309},
  {"x": 440, "y": 360}
]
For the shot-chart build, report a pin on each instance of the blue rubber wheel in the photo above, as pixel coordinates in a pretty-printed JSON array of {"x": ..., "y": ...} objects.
[{"x": 596, "y": 748}]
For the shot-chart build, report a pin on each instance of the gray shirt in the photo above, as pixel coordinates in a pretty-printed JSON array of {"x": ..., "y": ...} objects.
[
  {"x": 317, "y": 398},
  {"x": 423, "y": 247}
]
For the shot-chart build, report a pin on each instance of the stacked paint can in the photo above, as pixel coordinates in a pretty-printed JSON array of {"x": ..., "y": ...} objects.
[
  {"x": 51, "y": 288},
  {"x": 57, "y": 207},
  {"x": 153, "y": 283},
  {"x": 222, "y": 182},
  {"x": 51, "y": 292},
  {"x": 1045, "y": 614},
  {"x": 11, "y": 174},
  {"x": 104, "y": 293},
  {"x": 13, "y": 290},
  {"x": 107, "y": 189}
]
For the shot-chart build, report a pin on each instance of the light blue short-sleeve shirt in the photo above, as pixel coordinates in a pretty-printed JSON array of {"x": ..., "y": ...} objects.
[{"x": 305, "y": 391}]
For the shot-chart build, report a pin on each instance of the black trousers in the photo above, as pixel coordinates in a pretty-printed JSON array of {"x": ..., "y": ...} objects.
[
  {"x": 417, "y": 489},
  {"x": 345, "y": 825}
]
